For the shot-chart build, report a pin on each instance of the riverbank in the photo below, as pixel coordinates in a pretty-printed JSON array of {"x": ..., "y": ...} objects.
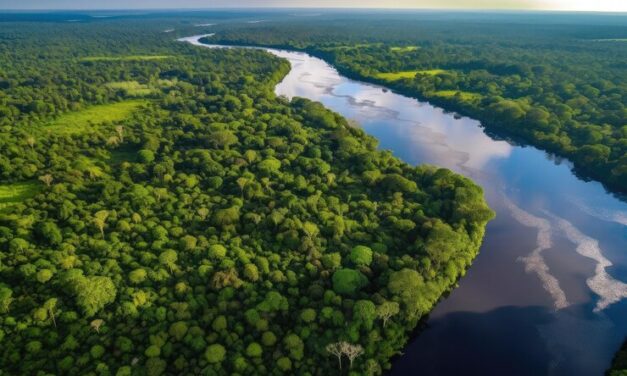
[
  {"x": 494, "y": 126},
  {"x": 533, "y": 195}
]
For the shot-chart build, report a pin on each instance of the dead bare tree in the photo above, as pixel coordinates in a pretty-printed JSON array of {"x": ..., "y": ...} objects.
[
  {"x": 336, "y": 349},
  {"x": 120, "y": 131},
  {"x": 96, "y": 324},
  {"x": 46, "y": 179},
  {"x": 351, "y": 351}
]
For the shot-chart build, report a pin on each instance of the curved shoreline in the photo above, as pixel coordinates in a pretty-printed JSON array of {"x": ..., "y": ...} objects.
[
  {"x": 418, "y": 133},
  {"x": 491, "y": 127}
]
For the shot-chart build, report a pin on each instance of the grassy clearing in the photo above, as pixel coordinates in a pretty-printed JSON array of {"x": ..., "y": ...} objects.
[
  {"x": 355, "y": 46},
  {"x": 119, "y": 156},
  {"x": 404, "y": 49},
  {"x": 464, "y": 95},
  {"x": 17, "y": 192},
  {"x": 131, "y": 88},
  {"x": 85, "y": 120},
  {"x": 136, "y": 89},
  {"x": 393, "y": 76},
  {"x": 125, "y": 58}
]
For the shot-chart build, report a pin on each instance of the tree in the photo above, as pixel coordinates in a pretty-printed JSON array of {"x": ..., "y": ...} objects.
[
  {"x": 5, "y": 298},
  {"x": 254, "y": 350},
  {"x": 223, "y": 139},
  {"x": 49, "y": 232},
  {"x": 137, "y": 276},
  {"x": 361, "y": 255},
  {"x": 168, "y": 258},
  {"x": 215, "y": 353},
  {"x": 203, "y": 213},
  {"x": 96, "y": 324},
  {"x": 50, "y": 306},
  {"x": 308, "y": 315},
  {"x": 100, "y": 219},
  {"x": 178, "y": 330},
  {"x": 94, "y": 293},
  {"x": 188, "y": 242},
  {"x": 241, "y": 183},
  {"x": 227, "y": 216},
  {"x": 337, "y": 350},
  {"x": 348, "y": 281},
  {"x": 294, "y": 345},
  {"x": 30, "y": 141},
  {"x": 146, "y": 156},
  {"x": 44, "y": 275},
  {"x": 310, "y": 229},
  {"x": 351, "y": 351},
  {"x": 365, "y": 312},
  {"x": 46, "y": 179},
  {"x": 269, "y": 166},
  {"x": 332, "y": 260},
  {"x": 386, "y": 310},
  {"x": 120, "y": 132},
  {"x": 217, "y": 251}
]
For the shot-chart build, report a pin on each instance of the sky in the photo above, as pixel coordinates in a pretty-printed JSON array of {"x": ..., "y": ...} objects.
[{"x": 566, "y": 5}]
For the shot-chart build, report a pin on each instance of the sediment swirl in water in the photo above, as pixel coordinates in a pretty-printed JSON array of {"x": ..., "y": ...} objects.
[
  {"x": 607, "y": 288},
  {"x": 617, "y": 216},
  {"x": 534, "y": 262}
]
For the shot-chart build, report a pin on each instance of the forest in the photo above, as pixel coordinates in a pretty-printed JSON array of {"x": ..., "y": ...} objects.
[
  {"x": 163, "y": 212},
  {"x": 553, "y": 81}
]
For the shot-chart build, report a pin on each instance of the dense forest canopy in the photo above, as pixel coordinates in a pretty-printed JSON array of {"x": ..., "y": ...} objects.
[
  {"x": 161, "y": 211},
  {"x": 556, "y": 81}
]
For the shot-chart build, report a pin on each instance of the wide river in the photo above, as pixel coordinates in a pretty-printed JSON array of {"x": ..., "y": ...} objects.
[{"x": 546, "y": 295}]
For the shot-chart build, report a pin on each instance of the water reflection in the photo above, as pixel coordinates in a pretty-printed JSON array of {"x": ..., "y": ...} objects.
[{"x": 546, "y": 294}]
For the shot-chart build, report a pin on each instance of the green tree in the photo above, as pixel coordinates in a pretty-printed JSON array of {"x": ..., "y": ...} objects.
[
  {"x": 94, "y": 293},
  {"x": 215, "y": 353},
  {"x": 348, "y": 281}
]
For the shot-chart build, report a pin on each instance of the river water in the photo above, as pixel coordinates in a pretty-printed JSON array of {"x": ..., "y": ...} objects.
[{"x": 546, "y": 295}]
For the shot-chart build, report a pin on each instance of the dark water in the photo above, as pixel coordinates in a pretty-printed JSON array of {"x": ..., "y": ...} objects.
[{"x": 547, "y": 293}]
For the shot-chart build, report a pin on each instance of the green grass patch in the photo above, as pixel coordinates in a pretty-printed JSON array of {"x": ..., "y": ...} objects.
[
  {"x": 17, "y": 192},
  {"x": 92, "y": 59},
  {"x": 393, "y": 76},
  {"x": 85, "y": 120},
  {"x": 464, "y": 95},
  {"x": 131, "y": 88},
  {"x": 432, "y": 72},
  {"x": 354, "y": 46},
  {"x": 404, "y": 49},
  {"x": 136, "y": 89},
  {"x": 122, "y": 155}
]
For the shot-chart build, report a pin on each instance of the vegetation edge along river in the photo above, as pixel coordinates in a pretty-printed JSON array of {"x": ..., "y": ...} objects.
[
  {"x": 165, "y": 212},
  {"x": 569, "y": 124}
]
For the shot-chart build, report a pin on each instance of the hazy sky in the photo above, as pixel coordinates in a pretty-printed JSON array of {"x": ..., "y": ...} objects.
[{"x": 579, "y": 5}]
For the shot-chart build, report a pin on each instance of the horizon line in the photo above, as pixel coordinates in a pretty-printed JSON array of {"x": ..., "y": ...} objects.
[{"x": 451, "y": 9}]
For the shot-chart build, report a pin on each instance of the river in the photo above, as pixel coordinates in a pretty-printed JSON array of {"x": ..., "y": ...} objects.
[{"x": 546, "y": 295}]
